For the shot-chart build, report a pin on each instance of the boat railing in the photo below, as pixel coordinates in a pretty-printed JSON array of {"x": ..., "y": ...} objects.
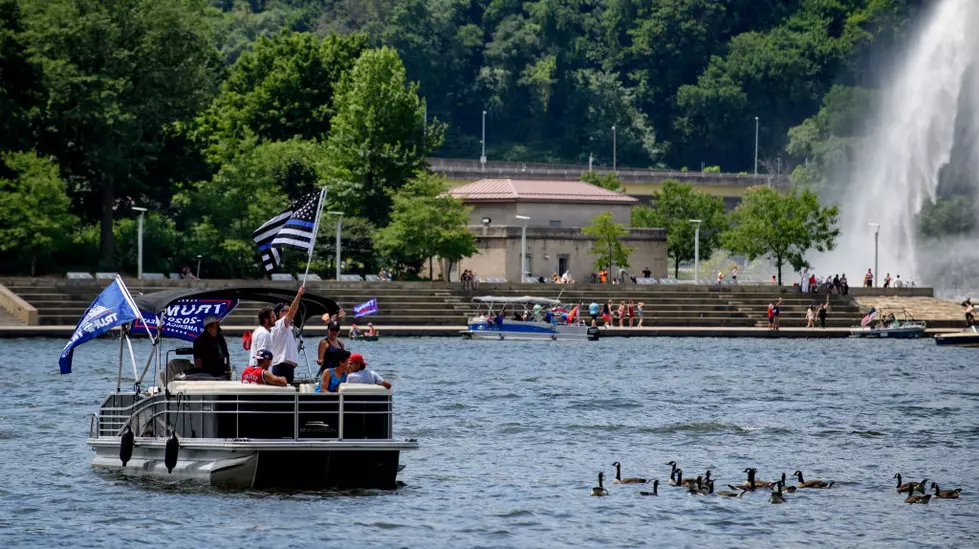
[{"x": 252, "y": 416}]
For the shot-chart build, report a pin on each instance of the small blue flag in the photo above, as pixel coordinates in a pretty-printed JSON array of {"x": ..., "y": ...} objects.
[
  {"x": 365, "y": 309},
  {"x": 111, "y": 308}
]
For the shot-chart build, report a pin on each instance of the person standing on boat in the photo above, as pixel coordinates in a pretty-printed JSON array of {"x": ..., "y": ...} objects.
[
  {"x": 262, "y": 336},
  {"x": 285, "y": 349},
  {"x": 358, "y": 373},
  {"x": 970, "y": 312},
  {"x": 259, "y": 373},
  {"x": 328, "y": 353},
  {"x": 211, "y": 351}
]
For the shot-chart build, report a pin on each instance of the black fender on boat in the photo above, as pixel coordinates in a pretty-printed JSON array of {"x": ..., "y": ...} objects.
[
  {"x": 126, "y": 445},
  {"x": 170, "y": 455}
]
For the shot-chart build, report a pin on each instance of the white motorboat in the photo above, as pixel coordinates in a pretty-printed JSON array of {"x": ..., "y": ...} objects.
[
  {"x": 534, "y": 318},
  {"x": 229, "y": 433},
  {"x": 891, "y": 328}
]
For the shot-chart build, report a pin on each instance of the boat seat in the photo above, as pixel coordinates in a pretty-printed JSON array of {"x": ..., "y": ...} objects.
[{"x": 174, "y": 366}]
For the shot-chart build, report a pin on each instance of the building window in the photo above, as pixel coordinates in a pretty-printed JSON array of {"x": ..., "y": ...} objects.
[
  {"x": 562, "y": 264},
  {"x": 554, "y": 223}
]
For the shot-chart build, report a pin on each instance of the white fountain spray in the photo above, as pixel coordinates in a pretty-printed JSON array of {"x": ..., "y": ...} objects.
[{"x": 912, "y": 139}]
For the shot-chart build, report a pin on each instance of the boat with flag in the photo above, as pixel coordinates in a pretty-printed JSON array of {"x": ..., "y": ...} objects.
[
  {"x": 222, "y": 431},
  {"x": 877, "y": 325},
  {"x": 526, "y": 318}
]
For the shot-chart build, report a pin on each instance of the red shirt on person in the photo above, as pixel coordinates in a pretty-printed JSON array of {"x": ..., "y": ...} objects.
[{"x": 253, "y": 374}]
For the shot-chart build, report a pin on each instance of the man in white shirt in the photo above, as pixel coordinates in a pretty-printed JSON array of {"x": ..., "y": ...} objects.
[
  {"x": 358, "y": 372},
  {"x": 285, "y": 349},
  {"x": 898, "y": 283},
  {"x": 262, "y": 336}
]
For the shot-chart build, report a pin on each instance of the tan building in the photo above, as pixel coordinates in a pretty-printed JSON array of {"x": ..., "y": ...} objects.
[{"x": 557, "y": 210}]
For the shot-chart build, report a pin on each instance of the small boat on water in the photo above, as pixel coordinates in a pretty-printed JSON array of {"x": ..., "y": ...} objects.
[
  {"x": 894, "y": 329},
  {"x": 968, "y": 337},
  {"x": 531, "y": 318},
  {"x": 229, "y": 433},
  {"x": 364, "y": 338}
]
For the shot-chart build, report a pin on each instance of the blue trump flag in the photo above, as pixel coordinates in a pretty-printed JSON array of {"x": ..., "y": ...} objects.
[
  {"x": 113, "y": 307},
  {"x": 184, "y": 318},
  {"x": 365, "y": 309}
]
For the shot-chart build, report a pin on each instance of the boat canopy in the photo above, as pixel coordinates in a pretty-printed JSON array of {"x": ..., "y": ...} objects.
[
  {"x": 310, "y": 305},
  {"x": 521, "y": 299}
]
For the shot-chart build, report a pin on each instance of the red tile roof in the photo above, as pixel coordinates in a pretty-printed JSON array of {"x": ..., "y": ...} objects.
[{"x": 535, "y": 190}]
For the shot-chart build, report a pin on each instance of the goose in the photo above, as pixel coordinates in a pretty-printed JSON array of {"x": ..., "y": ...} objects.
[
  {"x": 737, "y": 493},
  {"x": 654, "y": 492},
  {"x": 909, "y": 486},
  {"x": 686, "y": 481},
  {"x": 600, "y": 489},
  {"x": 696, "y": 488},
  {"x": 786, "y": 488},
  {"x": 758, "y": 483},
  {"x": 777, "y": 496},
  {"x": 812, "y": 483},
  {"x": 917, "y": 499},
  {"x": 749, "y": 484},
  {"x": 627, "y": 480},
  {"x": 946, "y": 494}
]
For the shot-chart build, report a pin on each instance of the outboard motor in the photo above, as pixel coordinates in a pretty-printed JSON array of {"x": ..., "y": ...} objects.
[
  {"x": 593, "y": 333},
  {"x": 126, "y": 446},
  {"x": 170, "y": 455}
]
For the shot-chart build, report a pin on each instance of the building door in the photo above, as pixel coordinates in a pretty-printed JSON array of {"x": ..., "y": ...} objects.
[{"x": 562, "y": 264}]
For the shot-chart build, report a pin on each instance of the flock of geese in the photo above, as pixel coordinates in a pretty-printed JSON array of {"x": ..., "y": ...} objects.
[{"x": 703, "y": 485}]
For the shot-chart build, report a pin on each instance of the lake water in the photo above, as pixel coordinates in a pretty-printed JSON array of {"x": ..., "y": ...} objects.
[{"x": 513, "y": 435}]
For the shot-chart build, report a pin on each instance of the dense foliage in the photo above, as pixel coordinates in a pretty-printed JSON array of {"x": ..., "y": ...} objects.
[{"x": 216, "y": 113}]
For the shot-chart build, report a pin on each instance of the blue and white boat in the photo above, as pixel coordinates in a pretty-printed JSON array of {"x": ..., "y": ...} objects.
[{"x": 523, "y": 318}]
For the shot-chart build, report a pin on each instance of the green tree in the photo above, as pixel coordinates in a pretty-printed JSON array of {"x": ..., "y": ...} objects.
[
  {"x": 162, "y": 244},
  {"x": 605, "y": 180},
  {"x": 281, "y": 89},
  {"x": 33, "y": 212},
  {"x": 675, "y": 205},
  {"x": 118, "y": 76},
  {"x": 379, "y": 138},
  {"x": 782, "y": 227},
  {"x": 955, "y": 215},
  {"x": 426, "y": 222},
  {"x": 608, "y": 248}
]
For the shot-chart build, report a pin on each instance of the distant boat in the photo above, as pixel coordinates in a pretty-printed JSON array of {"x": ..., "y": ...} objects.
[
  {"x": 968, "y": 337},
  {"x": 492, "y": 321},
  {"x": 896, "y": 329},
  {"x": 364, "y": 338}
]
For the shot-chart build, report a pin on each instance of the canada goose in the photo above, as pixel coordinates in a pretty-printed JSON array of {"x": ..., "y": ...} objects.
[
  {"x": 628, "y": 480},
  {"x": 758, "y": 483},
  {"x": 697, "y": 487},
  {"x": 600, "y": 489},
  {"x": 777, "y": 496},
  {"x": 917, "y": 499},
  {"x": 786, "y": 488},
  {"x": 737, "y": 493},
  {"x": 812, "y": 483},
  {"x": 686, "y": 481},
  {"x": 946, "y": 494},
  {"x": 909, "y": 486},
  {"x": 654, "y": 492}
]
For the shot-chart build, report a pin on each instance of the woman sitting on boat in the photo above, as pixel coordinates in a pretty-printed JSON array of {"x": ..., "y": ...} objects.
[
  {"x": 371, "y": 331},
  {"x": 331, "y": 378},
  {"x": 354, "y": 333}
]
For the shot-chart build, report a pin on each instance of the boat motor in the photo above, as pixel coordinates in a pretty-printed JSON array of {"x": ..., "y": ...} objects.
[
  {"x": 170, "y": 455},
  {"x": 126, "y": 445}
]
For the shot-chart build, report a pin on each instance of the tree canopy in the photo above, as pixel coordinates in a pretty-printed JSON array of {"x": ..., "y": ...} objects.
[
  {"x": 608, "y": 249},
  {"x": 782, "y": 228}
]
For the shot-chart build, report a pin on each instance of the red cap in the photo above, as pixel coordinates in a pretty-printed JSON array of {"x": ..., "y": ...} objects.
[{"x": 357, "y": 358}]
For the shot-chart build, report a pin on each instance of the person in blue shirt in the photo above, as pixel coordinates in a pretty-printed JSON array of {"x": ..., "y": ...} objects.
[
  {"x": 333, "y": 377},
  {"x": 593, "y": 310}
]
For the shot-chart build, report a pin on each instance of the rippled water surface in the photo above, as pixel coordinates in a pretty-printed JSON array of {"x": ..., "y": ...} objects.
[{"x": 512, "y": 438}]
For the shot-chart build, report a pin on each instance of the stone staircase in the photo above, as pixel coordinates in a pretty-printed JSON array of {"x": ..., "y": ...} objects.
[{"x": 62, "y": 302}]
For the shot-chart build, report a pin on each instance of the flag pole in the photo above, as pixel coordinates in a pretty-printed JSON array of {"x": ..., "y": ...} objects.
[{"x": 316, "y": 229}]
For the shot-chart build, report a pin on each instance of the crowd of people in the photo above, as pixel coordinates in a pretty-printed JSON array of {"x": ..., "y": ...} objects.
[{"x": 275, "y": 346}]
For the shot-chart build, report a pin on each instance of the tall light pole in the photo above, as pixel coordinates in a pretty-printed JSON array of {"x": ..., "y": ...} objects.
[
  {"x": 139, "y": 245},
  {"x": 482, "y": 157},
  {"x": 696, "y": 250},
  {"x": 613, "y": 149},
  {"x": 339, "y": 228},
  {"x": 756, "y": 145},
  {"x": 876, "y": 227},
  {"x": 523, "y": 246}
]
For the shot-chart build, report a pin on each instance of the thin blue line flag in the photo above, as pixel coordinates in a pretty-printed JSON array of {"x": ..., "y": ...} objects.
[
  {"x": 112, "y": 308},
  {"x": 365, "y": 309}
]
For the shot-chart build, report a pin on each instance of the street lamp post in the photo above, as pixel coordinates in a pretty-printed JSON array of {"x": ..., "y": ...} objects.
[
  {"x": 756, "y": 145},
  {"x": 523, "y": 246},
  {"x": 482, "y": 157},
  {"x": 613, "y": 150},
  {"x": 696, "y": 250},
  {"x": 139, "y": 245},
  {"x": 339, "y": 228},
  {"x": 876, "y": 227}
]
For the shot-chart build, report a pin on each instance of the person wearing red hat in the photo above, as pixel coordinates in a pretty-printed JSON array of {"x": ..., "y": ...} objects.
[
  {"x": 260, "y": 373},
  {"x": 358, "y": 372}
]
